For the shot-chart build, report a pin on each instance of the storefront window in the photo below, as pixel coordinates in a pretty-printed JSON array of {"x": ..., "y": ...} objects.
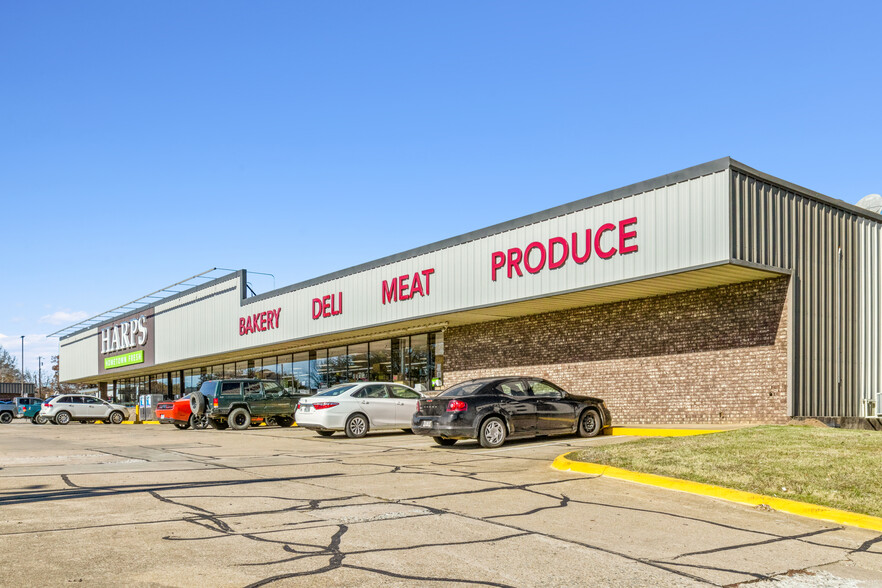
[
  {"x": 175, "y": 385},
  {"x": 358, "y": 363},
  {"x": 380, "y": 358},
  {"x": 159, "y": 385},
  {"x": 338, "y": 366},
  {"x": 240, "y": 369},
  {"x": 192, "y": 381},
  {"x": 270, "y": 369},
  {"x": 125, "y": 393},
  {"x": 321, "y": 368},
  {"x": 418, "y": 366},
  {"x": 399, "y": 359},
  {"x": 297, "y": 378}
]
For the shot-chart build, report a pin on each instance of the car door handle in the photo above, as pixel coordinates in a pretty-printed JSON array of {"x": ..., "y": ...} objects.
[{"x": 365, "y": 402}]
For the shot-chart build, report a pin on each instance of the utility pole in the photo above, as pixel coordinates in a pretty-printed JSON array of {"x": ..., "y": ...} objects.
[
  {"x": 22, "y": 365},
  {"x": 39, "y": 375}
]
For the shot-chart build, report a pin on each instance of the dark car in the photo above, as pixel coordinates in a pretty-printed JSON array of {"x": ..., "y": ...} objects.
[
  {"x": 492, "y": 410},
  {"x": 234, "y": 403}
]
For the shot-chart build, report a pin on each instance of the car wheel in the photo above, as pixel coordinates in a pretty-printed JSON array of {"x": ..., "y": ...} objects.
[
  {"x": 325, "y": 433},
  {"x": 284, "y": 421},
  {"x": 39, "y": 419},
  {"x": 444, "y": 441},
  {"x": 239, "y": 419},
  {"x": 493, "y": 433},
  {"x": 218, "y": 424},
  {"x": 356, "y": 426},
  {"x": 590, "y": 424},
  {"x": 116, "y": 417},
  {"x": 5, "y": 417},
  {"x": 183, "y": 426},
  {"x": 62, "y": 418},
  {"x": 198, "y": 422},
  {"x": 197, "y": 403}
]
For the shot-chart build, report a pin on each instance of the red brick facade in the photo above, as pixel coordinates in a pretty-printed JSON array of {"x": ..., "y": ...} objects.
[{"x": 717, "y": 355}]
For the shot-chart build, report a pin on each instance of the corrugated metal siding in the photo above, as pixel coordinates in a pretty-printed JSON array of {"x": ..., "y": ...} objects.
[
  {"x": 819, "y": 243},
  {"x": 78, "y": 356},
  {"x": 870, "y": 312},
  {"x": 201, "y": 323},
  {"x": 680, "y": 226}
]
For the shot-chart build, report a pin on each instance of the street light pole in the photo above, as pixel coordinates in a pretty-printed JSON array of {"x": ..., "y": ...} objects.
[
  {"x": 22, "y": 365},
  {"x": 39, "y": 375}
]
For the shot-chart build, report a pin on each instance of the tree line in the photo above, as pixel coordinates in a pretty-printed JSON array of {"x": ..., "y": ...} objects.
[{"x": 10, "y": 372}]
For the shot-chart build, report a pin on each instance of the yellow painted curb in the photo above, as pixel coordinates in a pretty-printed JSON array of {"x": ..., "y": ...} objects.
[
  {"x": 638, "y": 432},
  {"x": 804, "y": 509}
]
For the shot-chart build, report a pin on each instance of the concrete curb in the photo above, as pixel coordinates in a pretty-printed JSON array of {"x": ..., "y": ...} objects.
[
  {"x": 813, "y": 511},
  {"x": 658, "y": 432}
]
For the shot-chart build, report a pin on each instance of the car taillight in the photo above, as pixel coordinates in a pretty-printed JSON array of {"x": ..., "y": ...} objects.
[
  {"x": 47, "y": 405},
  {"x": 322, "y": 405},
  {"x": 214, "y": 403},
  {"x": 457, "y": 406},
  {"x": 418, "y": 406}
]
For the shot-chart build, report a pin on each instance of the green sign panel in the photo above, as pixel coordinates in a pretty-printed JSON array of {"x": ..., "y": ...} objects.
[{"x": 124, "y": 359}]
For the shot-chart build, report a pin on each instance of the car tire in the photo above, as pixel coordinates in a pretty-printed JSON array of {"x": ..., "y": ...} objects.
[
  {"x": 357, "y": 426},
  {"x": 444, "y": 441},
  {"x": 218, "y": 424},
  {"x": 116, "y": 417},
  {"x": 239, "y": 419},
  {"x": 182, "y": 426},
  {"x": 325, "y": 433},
  {"x": 5, "y": 417},
  {"x": 493, "y": 433},
  {"x": 198, "y": 422},
  {"x": 197, "y": 403},
  {"x": 284, "y": 421},
  {"x": 62, "y": 418},
  {"x": 39, "y": 419},
  {"x": 590, "y": 423}
]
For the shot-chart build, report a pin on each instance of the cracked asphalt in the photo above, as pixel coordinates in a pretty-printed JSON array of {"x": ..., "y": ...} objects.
[{"x": 154, "y": 506}]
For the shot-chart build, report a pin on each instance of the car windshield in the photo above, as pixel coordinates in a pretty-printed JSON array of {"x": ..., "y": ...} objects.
[
  {"x": 464, "y": 389},
  {"x": 337, "y": 390}
]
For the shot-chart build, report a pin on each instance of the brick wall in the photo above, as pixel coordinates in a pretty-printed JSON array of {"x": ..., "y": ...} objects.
[{"x": 717, "y": 355}]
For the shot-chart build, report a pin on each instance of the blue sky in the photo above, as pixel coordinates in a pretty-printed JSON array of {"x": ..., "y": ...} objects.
[{"x": 144, "y": 142}]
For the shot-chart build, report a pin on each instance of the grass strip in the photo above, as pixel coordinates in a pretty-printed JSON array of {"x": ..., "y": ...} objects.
[{"x": 830, "y": 467}]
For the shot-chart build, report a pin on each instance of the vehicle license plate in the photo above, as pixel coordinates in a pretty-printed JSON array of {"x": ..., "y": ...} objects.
[
  {"x": 425, "y": 423},
  {"x": 305, "y": 408}
]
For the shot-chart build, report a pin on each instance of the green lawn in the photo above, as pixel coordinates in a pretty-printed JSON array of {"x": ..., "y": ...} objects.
[{"x": 830, "y": 467}]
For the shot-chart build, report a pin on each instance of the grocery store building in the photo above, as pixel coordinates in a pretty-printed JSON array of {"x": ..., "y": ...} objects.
[{"x": 716, "y": 294}]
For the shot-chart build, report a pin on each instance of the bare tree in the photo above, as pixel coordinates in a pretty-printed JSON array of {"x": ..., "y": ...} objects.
[{"x": 9, "y": 371}]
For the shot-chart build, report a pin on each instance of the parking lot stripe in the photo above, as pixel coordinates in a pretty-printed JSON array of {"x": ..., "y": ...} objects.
[{"x": 804, "y": 509}]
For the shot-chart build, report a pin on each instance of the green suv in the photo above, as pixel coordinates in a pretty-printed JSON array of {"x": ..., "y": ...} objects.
[{"x": 234, "y": 403}]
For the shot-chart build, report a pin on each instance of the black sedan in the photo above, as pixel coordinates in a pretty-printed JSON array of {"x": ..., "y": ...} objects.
[{"x": 492, "y": 410}]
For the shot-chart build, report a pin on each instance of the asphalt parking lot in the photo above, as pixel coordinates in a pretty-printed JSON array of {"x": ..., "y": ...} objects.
[{"x": 151, "y": 505}]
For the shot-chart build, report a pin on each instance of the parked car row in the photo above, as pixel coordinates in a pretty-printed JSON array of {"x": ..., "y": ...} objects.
[{"x": 490, "y": 410}]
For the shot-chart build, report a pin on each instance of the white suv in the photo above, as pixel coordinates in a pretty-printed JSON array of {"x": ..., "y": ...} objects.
[{"x": 63, "y": 409}]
